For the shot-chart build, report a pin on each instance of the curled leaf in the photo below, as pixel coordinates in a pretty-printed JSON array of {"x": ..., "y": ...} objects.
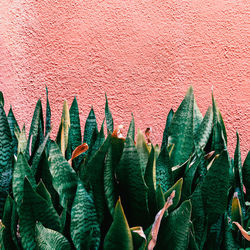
[
  {"x": 245, "y": 234},
  {"x": 157, "y": 222},
  {"x": 78, "y": 151}
]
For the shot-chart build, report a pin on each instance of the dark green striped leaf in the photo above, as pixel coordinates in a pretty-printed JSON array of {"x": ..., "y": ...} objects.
[
  {"x": 119, "y": 235},
  {"x": 13, "y": 124},
  {"x": 131, "y": 129},
  {"x": 203, "y": 133},
  {"x": 246, "y": 175},
  {"x": 21, "y": 169},
  {"x": 6, "y": 157},
  {"x": 90, "y": 127},
  {"x": 36, "y": 134},
  {"x": 48, "y": 114},
  {"x": 64, "y": 178},
  {"x": 215, "y": 188},
  {"x": 84, "y": 222},
  {"x": 108, "y": 115},
  {"x": 95, "y": 175},
  {"x": 1, "y": 99},
  {"x": 164, "y": 175},
  {"x": 10, "y": 223},
  {"x": 197, "y": 118},
  {"x": 181, "y": 130},
  {"x": 166, "y": 130},
  {"x": 75, "y": 134},
  {"x": 133, "y": 189},
  {"x": 49, "y": 239},
  {"x": 174, "y": 230}
]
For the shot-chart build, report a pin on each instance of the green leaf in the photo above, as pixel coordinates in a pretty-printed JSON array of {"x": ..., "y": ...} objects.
[
  {"x": 110, "y": 185},
  {"x": 95, "y": 175},
  {"x": 133, "y": 189},
  {"x": 246, "y": 175},
  {"x": 90, "y": 127},
  {"x": 21, "y": 169},
  {"x": 64, "y": 178},
  {"x": 6, "y": 157},
  {"x": 174, "y": 230},
  {"x": 177, "y": 187},
  {"x": 36, "y": 134},
  {"x": 150, "y": 180},
  {"x": 199, "y": 217},
  {"x": 84, "y": 220},
  {"x": 10, "y": 223},
  {"x": 197, "y": 118},
  {"x": 75, "y": 134},
  {"x": 238, "y": 169},
  {"x": 217, "y": 118},
  {"x": 131, "y": 129},
  {"x": 13, "y": 124},
  {"x": 166, "y": 130},
  {"x": 181, "y": 130},
  {"x": 37, "y": 156},
  {"x": 35, "y": 208},
  {"x": 108, "y": 115},
  {"x": 119, "y": 235},
  {"x": 49, "y": 239},
  {"x": 215, "y": 188},
  {"x": 164, "y": 175},
  {"x": 142, "y": 149},
  {"x": 48, "y": 114},
  {"x": 22, "y": 140},
  {"x": 218, "y": 140},
  {"x": 1, "y": 99},
  {"x": 160, "y": 198},
  {"x": 203, "y": 133}
]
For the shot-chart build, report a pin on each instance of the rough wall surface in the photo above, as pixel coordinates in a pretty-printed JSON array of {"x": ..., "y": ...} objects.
[{"x": 143, "y": 54}]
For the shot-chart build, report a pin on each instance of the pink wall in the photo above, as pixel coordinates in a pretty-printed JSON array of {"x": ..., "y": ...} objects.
[{"x": 144, "y": 54}]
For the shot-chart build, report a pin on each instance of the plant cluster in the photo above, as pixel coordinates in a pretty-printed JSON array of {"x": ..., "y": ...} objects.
[{"x": 100, "y": 191}]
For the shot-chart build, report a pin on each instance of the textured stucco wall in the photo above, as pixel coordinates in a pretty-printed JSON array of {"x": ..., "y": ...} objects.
[{"x": 144, "y": 54}]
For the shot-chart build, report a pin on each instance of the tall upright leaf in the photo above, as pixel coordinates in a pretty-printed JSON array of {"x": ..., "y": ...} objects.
[
  {"x": 1, "y": 99},
  {"x": 197, "y": 118},
  {"x": 84, "y": 222},
  {"x": 142, "y": 149},
  {"x": 109, "y": 118},
  {"x": 36, "y": 133},
  {"x": 133, "y": 189},
  {"x": 21, "y": 170},
  {"x": 64, "y": 178},
  {"x": 217, "y": 118},
  {"x": 246, "y": 175},
  {"x": 119, "y": 235},
  {"x": 164, "y": 175},
  {"x": 238, "y": 169},
  {"x": 215, "y": 188},
  {"x": 110, "y": 184},
  {"x": 166, "y": 130},
  {"x": 65, "y": 125},
  {"x": 181, "y": 130},
  {"x": 75, "y": 134},
  {"x": 48, "y": 114},
  {"x": 95, "y": 175},
  {"x": 174, "y": 230},
  {"x": 203, "y": 133},
  {"x": 131, "y": 129},
  {"x": 90, "y": 127},
  {"x": 6, "y": 157},
  {"x": 13, "y": 124}
]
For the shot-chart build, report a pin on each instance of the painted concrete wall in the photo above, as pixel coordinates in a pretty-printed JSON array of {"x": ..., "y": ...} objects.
[{"x": 144, "y": 54}]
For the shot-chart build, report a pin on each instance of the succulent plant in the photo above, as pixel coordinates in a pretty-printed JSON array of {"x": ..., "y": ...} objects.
[{"x": 105, "y": 191}]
